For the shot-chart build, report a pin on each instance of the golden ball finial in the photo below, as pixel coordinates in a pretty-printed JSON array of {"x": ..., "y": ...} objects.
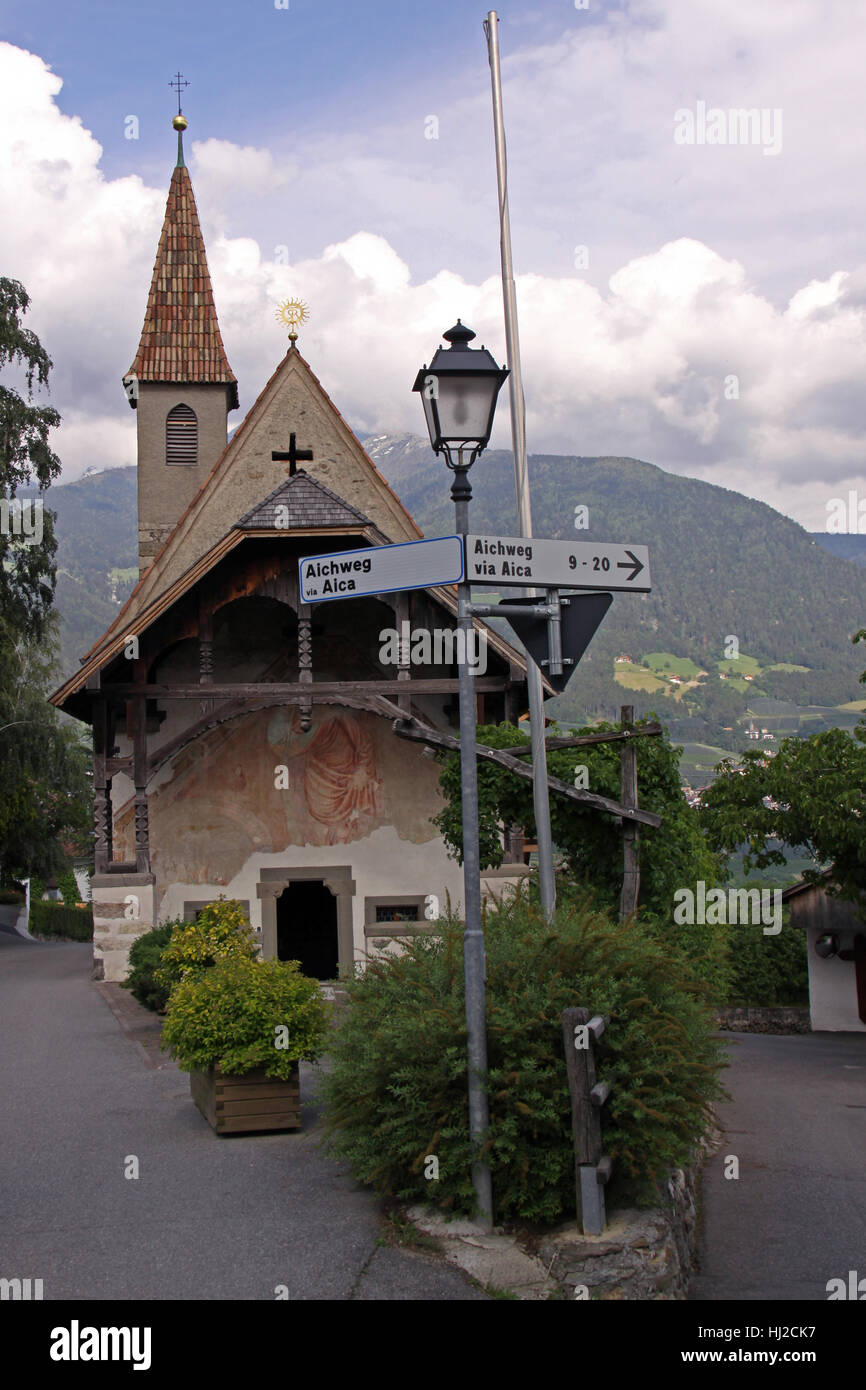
[{"x": 179, "y": 122}]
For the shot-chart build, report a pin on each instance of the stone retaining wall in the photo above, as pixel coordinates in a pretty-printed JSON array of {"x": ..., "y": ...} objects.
[
  {"x": 642, "y": 1255},
  {"x": 793, "y": 1020}
]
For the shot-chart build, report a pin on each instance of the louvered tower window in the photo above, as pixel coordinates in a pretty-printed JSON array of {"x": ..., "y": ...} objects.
[{"x": 181, "y": 435}]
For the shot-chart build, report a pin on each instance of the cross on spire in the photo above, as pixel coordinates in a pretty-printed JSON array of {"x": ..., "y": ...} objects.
[
  {"x": 294, "y": 456},
  {"x": 178, "y": 83}
]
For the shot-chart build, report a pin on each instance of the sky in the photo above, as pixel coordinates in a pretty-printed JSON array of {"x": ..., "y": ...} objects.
[{"x": 691, "y": 283}]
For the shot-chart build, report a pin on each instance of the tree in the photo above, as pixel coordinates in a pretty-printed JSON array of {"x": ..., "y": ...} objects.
[
  {"x": 811, "y": 794},
  {"x": 44, "y": 787},
  {"x": 27, "y": 568},
  {"x": 45, "y": 791},
  {"x": 586, "y": 837},
  {"x": 673, "y": 856}
]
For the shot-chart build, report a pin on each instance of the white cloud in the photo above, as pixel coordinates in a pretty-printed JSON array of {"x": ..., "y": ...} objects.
[
  {"x": 225, "y": 171},
  {"x": 634, "y": 362}
]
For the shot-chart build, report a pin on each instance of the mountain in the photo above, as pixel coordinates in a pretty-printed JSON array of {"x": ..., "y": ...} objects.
[
  {"x": 723, "y": 567},
  {"x": 848, "y": 547},
  {"x": 97, "y": 555}
]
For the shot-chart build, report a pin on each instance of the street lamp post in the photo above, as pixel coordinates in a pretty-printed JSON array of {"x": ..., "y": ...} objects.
[{"x": 459, "y": 391}]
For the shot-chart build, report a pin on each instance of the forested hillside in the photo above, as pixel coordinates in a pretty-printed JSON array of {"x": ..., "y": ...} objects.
[{"x": 723, "y": 567}]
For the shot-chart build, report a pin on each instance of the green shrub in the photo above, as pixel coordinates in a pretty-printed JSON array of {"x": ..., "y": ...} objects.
[
  {"x": 396, "y": 1091},
  {"x": 234, "y": 1014},
  {"x": 221, "y": 932},
  {"x": 10, "y": 897},
  {"x": 144, "y": 958},
  {"x": 767, "y": 970},
  {"x": 68, "y": 885},
  {"x": 54, "y": 919}
]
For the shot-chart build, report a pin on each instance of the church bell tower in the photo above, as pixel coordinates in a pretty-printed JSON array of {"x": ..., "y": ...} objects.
[{"x": 180, "y": 382}]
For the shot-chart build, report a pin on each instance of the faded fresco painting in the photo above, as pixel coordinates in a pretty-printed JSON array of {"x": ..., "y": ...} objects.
[{"x": 262, "y": 784}]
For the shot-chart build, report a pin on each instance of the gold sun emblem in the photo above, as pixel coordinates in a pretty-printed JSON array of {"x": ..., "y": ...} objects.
[{"x": 291, "y": 313}]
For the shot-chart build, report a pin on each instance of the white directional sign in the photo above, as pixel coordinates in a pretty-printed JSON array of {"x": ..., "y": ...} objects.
[
  {"x": 516, "y": 561},
  {"x": 380, "y": 569}
]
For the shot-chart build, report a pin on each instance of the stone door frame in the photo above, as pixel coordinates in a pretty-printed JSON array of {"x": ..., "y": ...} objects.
[{"x": 337, "y": 878}]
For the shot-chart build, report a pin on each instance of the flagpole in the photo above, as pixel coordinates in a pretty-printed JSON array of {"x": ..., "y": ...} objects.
[{"x": 540, "y": 794}]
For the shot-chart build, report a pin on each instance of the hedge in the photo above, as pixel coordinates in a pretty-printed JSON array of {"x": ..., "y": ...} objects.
[{"x": 53, "y": 919}]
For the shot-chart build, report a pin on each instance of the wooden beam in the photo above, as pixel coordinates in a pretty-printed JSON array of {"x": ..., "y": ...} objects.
[
  {"x": 422, "y": 734},
  {"x": 292, "y": 693},
  {"x": 580, "y": 740}
]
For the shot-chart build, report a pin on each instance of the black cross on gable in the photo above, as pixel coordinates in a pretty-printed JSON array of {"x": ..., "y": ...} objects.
[{"x": 294, "y": 456}]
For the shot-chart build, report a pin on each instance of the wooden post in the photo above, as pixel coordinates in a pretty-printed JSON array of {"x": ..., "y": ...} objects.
[
  {"x": 630, "y": 841},
  {"x": 591, "y": 1171}
]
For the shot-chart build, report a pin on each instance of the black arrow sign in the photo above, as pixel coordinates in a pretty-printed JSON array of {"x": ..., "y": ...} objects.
[{"x": 636, "y": 565}]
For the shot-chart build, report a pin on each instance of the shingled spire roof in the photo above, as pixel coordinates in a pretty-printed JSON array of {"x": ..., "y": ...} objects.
[
  {"x": 180, "y": 340},
  {"x": 306, "y": 503}
]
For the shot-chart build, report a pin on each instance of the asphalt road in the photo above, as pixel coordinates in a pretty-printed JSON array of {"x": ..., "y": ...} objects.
[
  {"x": 796, "y": 1215},
  {"x": 213, "y": 1218},
  {"x": 8, "y": 917},
  {"x": 208, "y": 1217}
]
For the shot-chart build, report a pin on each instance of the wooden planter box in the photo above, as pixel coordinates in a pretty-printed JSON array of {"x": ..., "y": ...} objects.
[{"x": 248, "y": 1103}]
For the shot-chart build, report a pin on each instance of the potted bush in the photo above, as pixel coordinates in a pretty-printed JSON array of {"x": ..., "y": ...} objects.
[
  {"x": 221, "y": 932},
  {"x": 240, "y": 1029}
]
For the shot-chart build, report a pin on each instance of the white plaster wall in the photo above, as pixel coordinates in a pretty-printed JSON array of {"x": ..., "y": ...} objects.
[
  {"x": 382, "y": 864},
  {"x": 832, "y": 989}
]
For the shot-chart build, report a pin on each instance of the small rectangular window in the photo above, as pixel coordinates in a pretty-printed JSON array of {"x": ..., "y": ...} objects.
[{"x": 401, "y": 912}]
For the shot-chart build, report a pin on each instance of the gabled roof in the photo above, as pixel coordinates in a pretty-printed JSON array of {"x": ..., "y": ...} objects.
[
  {"x": 805, "y": 885},
  {"x": 305, "y": 503},
  {"x": 180, "y": 340},
  {"x": 232, "y": 488}
]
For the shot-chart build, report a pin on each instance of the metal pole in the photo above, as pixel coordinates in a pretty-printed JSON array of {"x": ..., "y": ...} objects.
[
  {"x": 474, "y": 963},
  {"x": 540, "y": 794}
]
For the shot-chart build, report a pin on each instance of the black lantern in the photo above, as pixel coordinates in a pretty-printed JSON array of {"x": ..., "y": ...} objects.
[{"x": 459, "y": 391}]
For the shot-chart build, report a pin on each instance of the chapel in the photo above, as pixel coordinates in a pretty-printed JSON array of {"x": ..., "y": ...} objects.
[{"x": 246, "y": 744}]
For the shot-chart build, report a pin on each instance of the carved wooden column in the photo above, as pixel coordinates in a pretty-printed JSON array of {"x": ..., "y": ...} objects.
[
  {"x": 205, "y": 657},
  {"x": 139, "y": 765},
  {"x": 101, "y": 791},
  {"x": 404, "y": 649},
  {"x": 305, "y": 661}
]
